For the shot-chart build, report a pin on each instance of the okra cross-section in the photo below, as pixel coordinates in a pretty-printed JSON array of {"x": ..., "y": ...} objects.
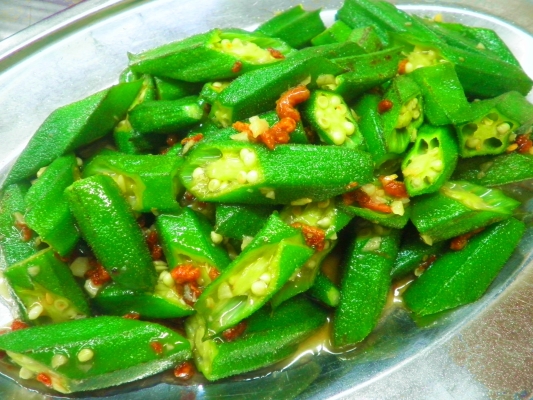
[
  {"x": 254, "y": 276},
  {"x": 94, "y": 353},
  {"x": 107, "y": 224},
  {"x": 238, "y": 172}
]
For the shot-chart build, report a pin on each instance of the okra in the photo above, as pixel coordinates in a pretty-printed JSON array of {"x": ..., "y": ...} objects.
[
  {"x": 431, "y": 161},
  {"x": 47, "y": 210},
  {"x": 336, "y": 33},
  {"x": 94, "y": 353},
  {"x": 215, "y": 55},
  {"x": 365, "y": 283},
  {"x": 107, "y": 224},
  {"x": 166, "y": 116},
  {"x": 325, "y": 290},
  {"x": 211, "y": 90},
  {"x": 239, "y": 172},
  {"x": 256, "y": 92},
  {"x": 16, "y": 240},
  {"x": 332, "y": 120},
  {"x": 149, "y": 183},
  {"x": 253, "y": 277},
  {"x": 295, "y": 26},
  {"x": 72, "y": 126},
  {"x": 458, "y": 208},
  {"x": 128, "y": 141},
  {"x": 461, "y": 277},
  {"x": 173, "y": 89},
  {"x": 237, "y": 221},
  {"x": 367, "y": 38},
  {"x": 45, "y": 289},
  {"x": 269, "y": 337}
]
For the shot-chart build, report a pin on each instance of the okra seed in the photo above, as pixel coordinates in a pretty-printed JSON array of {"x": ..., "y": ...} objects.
[
  {"x": 324, "y": 222},
  {"x": 209, "y": 302},
  {"x": 60, "y": 304},
  {"x": 259, "y": 288},
  {"x": 35, "y": 311},
  {"x": 322, "y": 101},
  {"x": 167, "y": 279},
  {"x": 487, "y": 121},
  {"x": 335, "y": 101},
  {"x": 80, "y": 266},
  {"x": 348, "y": 127},
  {"x": 265, "y": 277},
  {"x": 85, "y": 355},
  {"x": 49, "y": 298},
  {"x": 214, "y": 184},
  {"x": 160, "y": 265},
  {"x": 198, "y": 173},
  {"x": 242, "y": 177},
  {"x": 338, "y": 137},
  {"x": 473, "y": 142},
  {"x": 310, "y": 264},
  {"x": 216, "y": 238},
  {"x": 503, "y": 128},
  {"x": 249, "y": 159},
  {"x": 59, "y": 360},
  {"x": 34, "y": 271},
  {"x": 397, "y": 207},
  {"x": 416, "y": 114},
  {"x": 224, "y": 291},
  {"x": 25, "y": 373},
  {"x": 324, "y": 123},
  {"x": 224, "y": 185},
  {"x": 409, "y": 68},
  {"x": 252, "y": 176},
  {"x": 437, "y": 165},
  {"x": 369, "y": 189},
  {"x": 91, "y": 288},
  {"x": 341, "y": 109},
  {"x": 416, "y": 182}
]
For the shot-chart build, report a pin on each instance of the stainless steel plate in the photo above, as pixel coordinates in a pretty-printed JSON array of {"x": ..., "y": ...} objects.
[{"x": 479, "y": 351}]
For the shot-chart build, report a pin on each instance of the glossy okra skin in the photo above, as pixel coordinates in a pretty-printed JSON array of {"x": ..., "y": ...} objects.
[
  {"x": 431, "y": 161},
  {"x": 242, "y": 172},
  {"x": 173, "y": 89},
  {"x": 47, "y": 209},
  {"x": 329, "y": 116},
  {"x": 72, "y": 126},
  {"x": 337, "y": 33},
  {"x": 46, "y": 290},
  {"x": 365, "y": 283},
  {"x": 459, "y": 207},
  {"x": 210, "y": 56},
  {"x": 295, "y": 26},
  {"x": 461, "y": 277},
  {"x": 107, "y": 224},
  {"x": 325, "y": 290},
  {"x": 236, "y": 221},
  {"x": 14, "y": 247},
  {"x": 256, "y": 92},
  {"x": 253, "y": 277},
  {"x": 95, "y": 353},
  {"x": 389, "y": 220},
  {"x": 149, "y": 183},
  {"x": 367, "y": 38},
  {"x": 270, "y": 336}
]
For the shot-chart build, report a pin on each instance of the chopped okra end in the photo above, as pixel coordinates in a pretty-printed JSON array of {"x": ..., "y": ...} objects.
[{"x": 334, "y": 117}]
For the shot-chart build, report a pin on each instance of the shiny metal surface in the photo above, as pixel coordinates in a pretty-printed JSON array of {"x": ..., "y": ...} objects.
[{"x": 481, "y": 351}]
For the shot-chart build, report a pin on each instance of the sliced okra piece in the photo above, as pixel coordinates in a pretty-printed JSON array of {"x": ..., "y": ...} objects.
[
  {"x": 149, "y": 183},
  {"x": 366, "y": 72},
  {"x": 72, "y": 126},
  {"x": 128, "y": 141},
  {"x": 444, "y": 99},
  {"x": 16, "y": 240},
  {"x": 256, "y": 92},
  {"x": 236, "y": 221},
  {"x": 330, "y": 51},
  {"x": 431, "y": 161},
  {"x": 107, "y": 224},
  {"x": 211, "y": 90},
  {"x": 240, "y": 172},
  {"x": 383, "y": 201},
  {"x": 336, "y": 33},
  {"x": 253, "y": 277},
  {"x": 457, "y": 208},
  {"x": 217, "y": 54},
  {"x": 461, "y": 277},
  {"x": 268, "y": 337},
  {"x": 295, "y": 26},
  {"x": 45, "y": 289},
  {"x": 495, "y": 171},
  {"x": 173, "y": 89},
  {"x": 166, "y": 116},
  {"x": 367, "y": 38},
  {"x": 403, "y": 113},
  {"x": 332, "y": 120},
  {"x": 81, "y": 355},
  {"x": 162, "y": 303},
  {"x": 325, "y": 290},
  {"x": 365, "y": 282},
  {"x": 47, "y": 210},
  {"x": 415, "y": 254}
]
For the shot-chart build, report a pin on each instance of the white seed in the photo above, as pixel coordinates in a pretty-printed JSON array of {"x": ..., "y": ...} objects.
[
  {"x": 25, "y": 373},
  {"x": 58, "y": 360},
  {"x": 416, "y": 114},
  {"x": 503, "y": 128},
  {"x": 369, "y": 189},
  {"x": 373, "y": 244},
  {"x": 265, "y": 277},
  {"x": 80, "y": 266},
  {"x": 335, "y": 101},
  {"x": 198, "y": 173},
  {"x": 61, "y": 304},
  {"x": 34, "y": 271},
  {"x": 252, "y": 176},
  {"x": 216, "y": 238},
  {"x": 437, "y": 165},
  {"x": 224, "y": 185},
  {"x": 409, "y": 68},
  {"x": 85, "y": 355},
  {"x": 35, "y": 311},
  {"x": 248, "y": 157},
  {"x": 338, "y": 137},
  {"x": 79, "y": 161},
  {"x": 324, "y": 222},
  {"x": 41, "y": 171},
  {"x": 224, "y": 291},
  {"x": 259, "y": 288},
  {"x": 348, "y": 127},
  {"x": 167, "y": 279},
  {"x": 91, "y": 288},
  {"x": 416, "y": 182},
  {"x": 322, "y": 101},
  {"x": 213, "y": 185},
  {"x": 324, "y": 123},
  {"x": 397, "y": 207},
  {"x": 160, "y": 265},
  {"x": 270, "y": 194},
  {"x": 241, "y": 178},
  {"x": 473, "y": 142}
]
